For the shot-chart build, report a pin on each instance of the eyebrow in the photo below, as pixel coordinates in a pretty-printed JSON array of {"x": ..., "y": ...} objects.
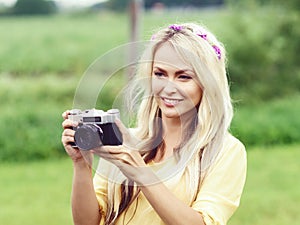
[{"x": 177, "y": 72}]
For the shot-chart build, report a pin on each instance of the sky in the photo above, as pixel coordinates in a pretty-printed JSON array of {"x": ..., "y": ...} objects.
[{"x": 63, "y": 3}]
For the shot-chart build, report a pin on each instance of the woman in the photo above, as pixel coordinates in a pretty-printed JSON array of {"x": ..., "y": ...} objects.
[{"x": 180, "y": 163}]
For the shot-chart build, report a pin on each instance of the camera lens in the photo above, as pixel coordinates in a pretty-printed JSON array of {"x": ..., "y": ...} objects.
[{"x": 88, "y": 136}]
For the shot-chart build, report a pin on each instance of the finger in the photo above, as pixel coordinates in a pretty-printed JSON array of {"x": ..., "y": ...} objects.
[
  {"x": 108, "y": 149},
  {"x": 113, "y": 159},
  {"x": 129, "y": 141},
  {"x": 119, "y": 154},
  {"x": 118, "y": 151},
  {"x": 68, "y": 132},
  {"x": 105, "y": 155},
  {"x": 65, "y": 114},
  {"x": 69, "y": 123},
  {"x": 111, "y": 152},
  {"x": 122, "y": 128},
  {"x": 66, "y": 140}
]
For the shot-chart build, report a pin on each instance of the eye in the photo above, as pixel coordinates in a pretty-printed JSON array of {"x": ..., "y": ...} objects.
[
  {"x": 159, "y": 74},
  {"x": 185, "y": 77}
]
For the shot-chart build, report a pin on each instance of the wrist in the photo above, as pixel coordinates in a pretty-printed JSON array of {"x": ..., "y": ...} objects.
[
  {"x": 81, "y": 164},
  {"x": 147, "y": 177}
]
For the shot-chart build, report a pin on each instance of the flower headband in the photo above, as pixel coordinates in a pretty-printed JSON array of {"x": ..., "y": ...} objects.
[{"x": 199, "y": 32}]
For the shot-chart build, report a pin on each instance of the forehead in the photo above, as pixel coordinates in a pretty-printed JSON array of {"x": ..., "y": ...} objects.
[{"x": 167, "y": 55}]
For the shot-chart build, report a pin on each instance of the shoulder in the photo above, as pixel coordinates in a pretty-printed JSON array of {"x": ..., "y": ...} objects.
[
  {"x": 232, "y": 145},
  {"x": 228, "y": 171},
  {"x": 233, "y": 152},
  {"x": 231, "y": 156}
]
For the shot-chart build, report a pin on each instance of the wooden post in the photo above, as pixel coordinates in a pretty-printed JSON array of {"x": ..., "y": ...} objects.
[{"x": 135, "y": 12}]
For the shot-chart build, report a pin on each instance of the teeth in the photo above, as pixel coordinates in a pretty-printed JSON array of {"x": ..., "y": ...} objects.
[{"x": 171, "y": 101}]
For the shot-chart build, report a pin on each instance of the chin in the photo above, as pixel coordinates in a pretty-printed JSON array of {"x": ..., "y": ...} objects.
[
  {"x": 172, "y": 113},
  {"x": 169, "y": 113}
]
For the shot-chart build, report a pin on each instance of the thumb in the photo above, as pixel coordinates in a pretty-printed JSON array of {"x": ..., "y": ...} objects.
[{"x": 124, "y": 131}]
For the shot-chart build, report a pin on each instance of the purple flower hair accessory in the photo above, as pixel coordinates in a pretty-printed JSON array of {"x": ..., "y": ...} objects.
[
  {"x": 217, "y": 50},
  {"x": 200, "y": 32},
  {"x": 203, "y": 35},
  {"x": 176, "y": 27}
]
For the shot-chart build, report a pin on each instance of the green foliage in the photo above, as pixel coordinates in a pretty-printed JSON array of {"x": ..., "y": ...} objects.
[
  {"x": 33, "y": 7},
  {"x": 178, "y": 3},
  {"x": 270, "y": 123},
  {"x": 30, "y": 126},
  {"x": 118, "y": 5},
  {"x": 31, "y": 117},
  {"x": 121, "y": 5},
  {"x": 263, "y": 55},
  {"x": 290, "y": 4}
]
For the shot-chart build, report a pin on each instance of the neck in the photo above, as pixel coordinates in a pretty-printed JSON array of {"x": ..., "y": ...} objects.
[
  {"x": 173, "y": 134},
  {"x": 177, "y": 125},
  {"x": 171, "y": 126}
]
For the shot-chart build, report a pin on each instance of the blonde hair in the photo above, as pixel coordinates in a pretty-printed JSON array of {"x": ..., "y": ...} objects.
[{"x": 214, "y": 113}]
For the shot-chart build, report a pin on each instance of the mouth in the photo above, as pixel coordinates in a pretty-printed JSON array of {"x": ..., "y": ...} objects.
[{"x": 170, "y": 102}]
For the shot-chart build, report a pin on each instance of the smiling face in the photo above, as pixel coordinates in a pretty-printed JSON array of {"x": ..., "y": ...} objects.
[{"x": 174, "y": 84}]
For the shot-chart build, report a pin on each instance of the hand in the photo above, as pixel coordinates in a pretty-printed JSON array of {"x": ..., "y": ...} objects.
[
  {"x": 127, "y": 158},
  {"x": 68, "y": 137}
]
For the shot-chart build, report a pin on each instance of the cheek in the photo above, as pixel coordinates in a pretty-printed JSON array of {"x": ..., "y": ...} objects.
[
  {"x": 194, "y": 93},
  {"x": 157, "y": 85}
]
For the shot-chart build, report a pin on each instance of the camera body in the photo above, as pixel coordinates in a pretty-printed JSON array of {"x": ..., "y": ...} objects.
[{"x": 95, "y": 128}]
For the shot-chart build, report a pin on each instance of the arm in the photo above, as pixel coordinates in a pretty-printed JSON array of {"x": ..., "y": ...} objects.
[
  {"x": 218, "y": 197},
  {"x": 170, "y": 209},
  {"x": 216, "y": 201},
  {"x": 85, "y": 207}
]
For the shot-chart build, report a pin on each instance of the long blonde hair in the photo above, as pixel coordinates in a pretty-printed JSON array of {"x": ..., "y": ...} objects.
[{"x": 213, "y": 116}]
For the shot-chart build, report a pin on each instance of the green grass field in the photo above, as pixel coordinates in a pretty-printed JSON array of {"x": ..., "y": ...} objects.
[
  {"x": 271, "y": 194},
  {"x": 39, "y": 192},
  {"x": 68, "y": 44}
]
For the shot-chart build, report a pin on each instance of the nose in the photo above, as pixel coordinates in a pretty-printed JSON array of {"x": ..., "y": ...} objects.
[{"x": 170, "y": 87}]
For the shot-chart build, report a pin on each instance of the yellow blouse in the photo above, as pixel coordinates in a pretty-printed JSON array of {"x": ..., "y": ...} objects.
[{"x": 218, "y": 197}]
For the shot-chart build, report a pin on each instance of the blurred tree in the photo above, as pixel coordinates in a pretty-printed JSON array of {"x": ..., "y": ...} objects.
[
  {"x": 263, "y": 57},
  {"x": 122, "y": 4},
  {"x": 150, "y": 3},
  {"x": 290, "y": 4},
  {"x": 118, "y": 5},
  {"x": 33, "y": 7}
]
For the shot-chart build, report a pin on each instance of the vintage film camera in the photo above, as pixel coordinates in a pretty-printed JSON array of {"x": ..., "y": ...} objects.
[{"x": 95, "y": 128}]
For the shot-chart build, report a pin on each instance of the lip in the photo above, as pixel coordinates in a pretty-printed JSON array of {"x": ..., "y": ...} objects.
[{"x": 170, "y": 102}]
